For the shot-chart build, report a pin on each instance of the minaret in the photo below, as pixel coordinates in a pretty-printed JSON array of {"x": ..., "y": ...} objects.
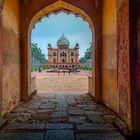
[
  {"x": 76, "y": 53},
  {"x": 49, "y": 53}
]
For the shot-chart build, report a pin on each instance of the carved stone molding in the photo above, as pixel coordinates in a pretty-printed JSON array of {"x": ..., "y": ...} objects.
[{"x": 57, "y": 7}]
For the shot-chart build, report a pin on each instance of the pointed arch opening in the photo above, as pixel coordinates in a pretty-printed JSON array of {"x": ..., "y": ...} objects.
[{"x": 55, "y": 8}]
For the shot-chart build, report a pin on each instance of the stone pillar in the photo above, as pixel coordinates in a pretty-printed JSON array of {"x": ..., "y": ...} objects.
[
  {"x": 67, "y": 55},
  {"x": 59, "y": 56},
  {"x": 124, "y": 61},
  {"x": 135, "y": 64},
  {"x": 1, "y": 55},
  {"x": 75, "y": 56},
  {"x": 25, "y": 59},
  {"x": 49, "y": 57}
]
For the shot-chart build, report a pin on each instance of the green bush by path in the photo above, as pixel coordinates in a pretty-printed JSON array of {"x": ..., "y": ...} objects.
[
  {"x": 34, "y": 69},
  {"x": 86, "y": 68}
]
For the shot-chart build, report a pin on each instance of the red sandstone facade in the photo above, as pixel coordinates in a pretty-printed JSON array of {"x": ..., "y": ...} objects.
[{"x": 63, "y": 56}]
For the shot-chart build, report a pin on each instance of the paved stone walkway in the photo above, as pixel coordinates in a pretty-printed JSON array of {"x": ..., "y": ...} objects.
[
  {"x": 45, "y": 73},
  {"x": 60, "y": 117}
]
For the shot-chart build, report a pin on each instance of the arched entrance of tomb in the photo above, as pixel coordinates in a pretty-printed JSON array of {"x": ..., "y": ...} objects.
[
  {"x": 50, "y": 9},
  {"x": 63, "y": 57}
]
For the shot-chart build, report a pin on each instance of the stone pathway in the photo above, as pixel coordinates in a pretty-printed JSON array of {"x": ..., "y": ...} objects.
[
  {"x": 60, "y": 117},
  {"x": 45, "y": 73}
]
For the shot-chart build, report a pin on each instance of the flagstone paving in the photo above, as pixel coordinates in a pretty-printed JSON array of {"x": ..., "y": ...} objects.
[{"x": 60, "y": 117}]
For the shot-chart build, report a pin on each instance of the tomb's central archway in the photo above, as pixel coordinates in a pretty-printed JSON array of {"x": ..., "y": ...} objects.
[{"x": 54, "y": 9}]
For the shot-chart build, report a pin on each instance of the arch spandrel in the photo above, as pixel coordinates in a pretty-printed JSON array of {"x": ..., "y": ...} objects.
[{"x": 61, "y": 6}]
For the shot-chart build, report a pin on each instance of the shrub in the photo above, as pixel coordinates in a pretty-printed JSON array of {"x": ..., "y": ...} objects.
[
  {"x": 86, "y": 68},
  {"x": 34, "y": 69}
]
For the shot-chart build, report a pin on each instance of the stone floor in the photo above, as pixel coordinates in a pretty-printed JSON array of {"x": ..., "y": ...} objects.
[{"x": 60, "y": 117}]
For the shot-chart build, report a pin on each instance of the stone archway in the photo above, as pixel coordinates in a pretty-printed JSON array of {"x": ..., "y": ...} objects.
[
  {"x": 128, "y": 105},
  {"x": 50, "y": 9}
]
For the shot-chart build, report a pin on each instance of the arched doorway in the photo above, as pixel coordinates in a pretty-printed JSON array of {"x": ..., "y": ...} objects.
[
  {"x": 63, "y": 57},
  {"x": 57, "y": 7}
]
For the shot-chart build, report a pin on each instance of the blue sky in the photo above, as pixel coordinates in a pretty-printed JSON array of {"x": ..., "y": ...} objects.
[{"x": 51, "y": 28}]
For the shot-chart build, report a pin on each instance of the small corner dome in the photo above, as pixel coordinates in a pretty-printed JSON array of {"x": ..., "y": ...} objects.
[
  {"x": 49, "y": 45},
  {"x": 77, "y": 46},
  {"x": 63, "y": 41}
]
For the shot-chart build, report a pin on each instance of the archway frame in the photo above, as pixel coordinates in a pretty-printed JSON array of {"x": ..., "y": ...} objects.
[{"x": 54, "y": 8}]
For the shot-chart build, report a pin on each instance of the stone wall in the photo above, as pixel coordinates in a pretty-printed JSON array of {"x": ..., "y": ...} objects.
[
  {"x": 1, "y": 55},
  {"x": 90, "y": 86},
  {"x": 11, "y": 55},
  {"x": 115, "y": 64},
  {"x": 62, "y": 84},
  {"x": 109, "y": 52},
  {"x": 135, "y": 63},
  {"x": 136, "y": 92},
  {"x": 33, "y": 85},
  {"x": 124, "y": 61},
  {"x": 138, "y": 52}
]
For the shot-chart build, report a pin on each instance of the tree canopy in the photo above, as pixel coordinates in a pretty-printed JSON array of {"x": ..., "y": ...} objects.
[
  {"x": 37, "y": 53},
  {"x": 87, "y": 55}
]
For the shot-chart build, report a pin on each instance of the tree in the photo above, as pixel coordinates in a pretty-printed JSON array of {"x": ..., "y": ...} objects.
[
  {"x": 37, "y": 56},
  {"x": 82, "y": 59},
  {"x": 88, "y": 54}
]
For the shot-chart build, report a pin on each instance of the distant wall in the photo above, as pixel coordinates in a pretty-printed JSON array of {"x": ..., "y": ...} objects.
[
  {"x": 62, "y": 84},
  {"x": 11, "y": 55}
]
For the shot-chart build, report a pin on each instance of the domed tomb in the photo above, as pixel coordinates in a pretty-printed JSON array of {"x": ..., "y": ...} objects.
[{"x": 63, "y": 42}]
